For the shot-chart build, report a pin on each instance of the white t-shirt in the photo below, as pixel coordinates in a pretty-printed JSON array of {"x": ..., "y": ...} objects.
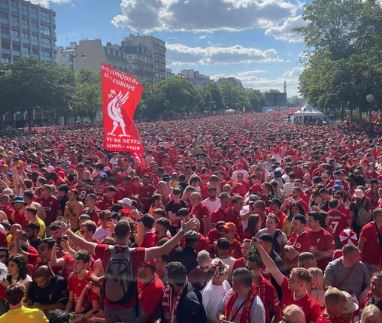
[
  {"x": 212, "y": 296},
  {"x": 24, "y": 281},
  {"x": 212, "y": 205}
]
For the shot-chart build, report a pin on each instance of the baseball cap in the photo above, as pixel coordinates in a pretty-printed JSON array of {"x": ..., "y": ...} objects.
[
  {"x": 351, "y": 304},
  {"x": 126, "y": 201},
  {"x": 8, "y": 191},
  {"x": 18, "y": 199}
]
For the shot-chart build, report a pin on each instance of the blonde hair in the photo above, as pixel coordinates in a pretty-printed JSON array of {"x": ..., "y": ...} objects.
[
  {"x": 370, "y": 310},
  {"x": 294, "y": 314},
  {"x": 317, "y": 278}
]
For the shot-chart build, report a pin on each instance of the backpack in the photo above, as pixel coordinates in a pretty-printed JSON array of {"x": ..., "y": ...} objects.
[
  {"x": 363, "y": 216},
  {"x": 119, "y": 285}
]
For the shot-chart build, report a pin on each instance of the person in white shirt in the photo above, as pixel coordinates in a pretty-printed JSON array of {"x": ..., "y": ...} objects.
[
  {"x": 212, "y": 202},
  {"x": 279, "y": 237},
  {"x": 289, "y": 186},
  {"x": 215, "y": 290}
]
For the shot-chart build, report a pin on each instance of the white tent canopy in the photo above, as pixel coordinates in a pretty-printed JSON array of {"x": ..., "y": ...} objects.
[
  {"x": 308, "y": 115},
  {"x": 308, "y": 111}
]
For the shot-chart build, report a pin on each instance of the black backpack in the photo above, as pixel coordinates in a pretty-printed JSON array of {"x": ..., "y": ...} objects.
[{"x": 119, "y": 284}]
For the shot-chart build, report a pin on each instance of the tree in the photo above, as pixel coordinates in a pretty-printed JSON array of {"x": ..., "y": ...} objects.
[
  {"x": 28, "y": 84},
  {"x": 234, "y": 96},
  {"x": 344, "y": 39},
  {"x": 256, "y": 100},
  {"x": 87, "y": 97}
]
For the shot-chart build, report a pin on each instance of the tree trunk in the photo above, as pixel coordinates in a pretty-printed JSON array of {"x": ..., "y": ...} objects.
[
  {"x": 360, "y": 115},
  {"x": 342, "y": 112},
  {"x": 351, "y": 114}
]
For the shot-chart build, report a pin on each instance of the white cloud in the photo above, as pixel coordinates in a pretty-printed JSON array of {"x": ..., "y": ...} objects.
[
  {"x": 251, "y": 79},
  {"x": 285, "y": 30},
  {"x": 45, "y": 3},
  {"x": 202, "y": 15},
  {"x": 179, "y": 54}
]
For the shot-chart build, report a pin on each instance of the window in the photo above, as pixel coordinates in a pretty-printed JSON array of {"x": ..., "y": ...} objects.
[
  {"x": 44, "y": 30},
  {"x": 5, "y": 60},
  {"x": 14, "y": 7},
  {"x": 24, "y": 9},
  {"x": 15, "y": 21},
  {"x": 33, "y": 12},
  {"x": 4, "y": 20},
  {"x": 25, "y": 24},
  {"x": 34, "y": 26},
  {"x": 26, "y": 50},
  {"x": 25, "y": 36},
  {"x": 15, "y": 35},
  {"x": 46, "y": 53}
]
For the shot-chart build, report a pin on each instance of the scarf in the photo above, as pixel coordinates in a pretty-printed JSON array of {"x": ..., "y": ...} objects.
[
  {"x": 170, "y": 304},
  {"x": 245, "y": 316}
]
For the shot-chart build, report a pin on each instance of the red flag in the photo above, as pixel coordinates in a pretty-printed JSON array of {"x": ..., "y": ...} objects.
[{"x": 121, "y": 93}]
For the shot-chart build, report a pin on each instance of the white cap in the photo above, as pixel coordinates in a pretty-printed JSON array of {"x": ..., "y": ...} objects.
[{"x": 126, "y": 201}]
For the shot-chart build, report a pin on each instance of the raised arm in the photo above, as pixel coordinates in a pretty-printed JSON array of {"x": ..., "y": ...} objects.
[
  {"x": 269, "y": 263},
  {"x": 155, "y": 252},
  {"x": 79, "y": 241}
]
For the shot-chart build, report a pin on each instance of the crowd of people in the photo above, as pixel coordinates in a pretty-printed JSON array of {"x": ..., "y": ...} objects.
[{"x": 240, "y": 218}]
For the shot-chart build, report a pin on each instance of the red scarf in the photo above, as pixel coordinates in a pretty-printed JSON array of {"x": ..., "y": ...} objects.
[
  {"x": 245, "y": 316},
  {"x": 170, "y": 304}
]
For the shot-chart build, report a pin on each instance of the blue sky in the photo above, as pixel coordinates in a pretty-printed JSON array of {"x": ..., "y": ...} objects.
[{"x": 249, "y": 39}]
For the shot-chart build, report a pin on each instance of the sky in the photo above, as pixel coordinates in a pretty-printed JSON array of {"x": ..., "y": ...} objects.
[{"x": 252, "y": 40}]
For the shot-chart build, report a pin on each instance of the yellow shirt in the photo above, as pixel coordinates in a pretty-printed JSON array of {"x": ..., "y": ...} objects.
[
  {"x": 41, "y": 233},
  {"x": 24, "y": 315}
]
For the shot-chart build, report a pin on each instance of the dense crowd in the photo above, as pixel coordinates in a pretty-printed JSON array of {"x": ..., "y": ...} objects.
[{"x": 240, "y": 218}]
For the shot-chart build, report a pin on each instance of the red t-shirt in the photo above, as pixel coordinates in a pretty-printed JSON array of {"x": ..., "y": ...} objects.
[
  {"x": 76, "y": 285},
  {"x": 150, "y": 297},
  {"x": 51, "y": 206},
  {"x": 102, "y": 251},
  {"x": 323, "y": 241},
  {"x": 268, "y": 295},
  {"x": 200, "y": 212},
  {"x": 239, "y": 263},
  {"x": 309, "y": 306},
  {"x": 149, "y": 239},
  {"x": 337, "y": 221},
  {"x": 371, "y": 252},
  {"x": 300, "y": 242}
]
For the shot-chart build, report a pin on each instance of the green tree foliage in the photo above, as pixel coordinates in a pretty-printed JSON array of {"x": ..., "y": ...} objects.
[
  {"x": 87, "y": 98},
  {"x": 234, "y": 95},
  {"x": 344, "y": 65},
  {"x": 29, "y": 84}
]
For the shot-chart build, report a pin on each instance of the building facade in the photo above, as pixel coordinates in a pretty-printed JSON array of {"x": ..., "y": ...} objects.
[
  {"x": 27, "y": 30},
  {"x": 195, "y": 77},
  {"x": 142, "y": 56}
]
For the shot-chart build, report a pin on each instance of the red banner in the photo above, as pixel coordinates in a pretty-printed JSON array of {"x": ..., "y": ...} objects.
[{"x": 121, "y": 93}]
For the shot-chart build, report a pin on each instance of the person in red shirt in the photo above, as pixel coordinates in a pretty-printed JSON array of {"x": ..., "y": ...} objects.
[
  {"x": 126, "y": 311},
  {"x": 321, "y": 241},
  {"x": 6, "y": 206},
  {"x": 145, "y": 193},
  {"x": 19, "y": 215},
  {"x": 335, "y": 302},
  {"x": 108, "y": 199},
  {"x": 370, "y": 242},
  {"x": 234, "y": 245},
  {"x": 336, "y": 221},
  {"x": 245, "y": 247},
  {"x": 295, "y": 288},
  {"x": 224, "y": 212},
  {"x": 146, "y": 236},
  {"x": 275, "y": 208},
  {"x": 266, "y": 291},
  {"x": 50, "y": 204},
  {"x": 298, "y": 242},
  {"x": 150, "y": 292},
  {"x": 77, "y": 285},
  {"x": 200, "y": 212}
]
